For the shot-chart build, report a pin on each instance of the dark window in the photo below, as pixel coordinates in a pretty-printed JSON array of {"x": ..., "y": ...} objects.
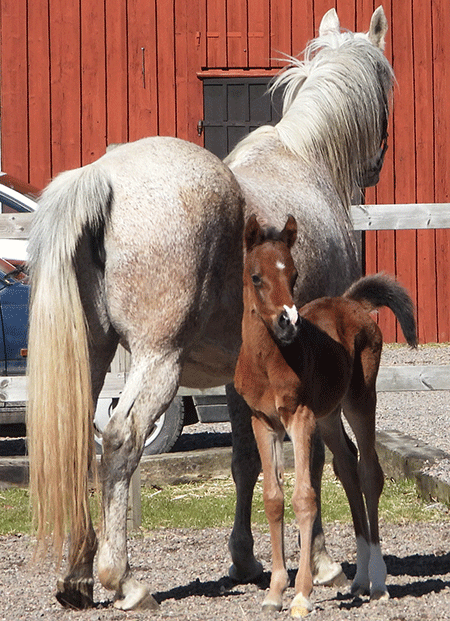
[{"x": 234, "y": 107}]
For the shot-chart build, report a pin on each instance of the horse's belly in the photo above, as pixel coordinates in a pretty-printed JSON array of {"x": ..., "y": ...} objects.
[{"x": 208, "y": 365}]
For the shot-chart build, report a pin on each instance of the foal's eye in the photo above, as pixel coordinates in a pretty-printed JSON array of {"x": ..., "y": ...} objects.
[{"x": 256, "y": 280}]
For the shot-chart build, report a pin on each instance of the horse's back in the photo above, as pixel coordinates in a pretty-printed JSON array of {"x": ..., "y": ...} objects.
[{"x": 160, "y": 179}]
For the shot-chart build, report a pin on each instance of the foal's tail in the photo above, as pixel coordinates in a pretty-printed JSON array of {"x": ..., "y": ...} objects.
[
  {"x": 60, "y": 409},
  {"x": 379, "y": 290}
]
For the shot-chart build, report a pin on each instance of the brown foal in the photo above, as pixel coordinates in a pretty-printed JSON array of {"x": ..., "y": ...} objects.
[{"x": 297, "y": 369}]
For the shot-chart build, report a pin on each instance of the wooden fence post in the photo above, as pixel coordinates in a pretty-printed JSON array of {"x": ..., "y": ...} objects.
[{"x": 134, "y": 517}]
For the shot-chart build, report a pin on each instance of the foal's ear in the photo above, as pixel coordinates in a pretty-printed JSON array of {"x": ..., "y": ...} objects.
[
  {"x": 253, "y": 234},
  {"x": 289, "y": 234}
]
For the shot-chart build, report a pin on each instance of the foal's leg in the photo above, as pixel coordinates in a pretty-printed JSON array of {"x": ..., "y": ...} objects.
[
  {"x": 346, "y": 466},
  {"x": 151, "y": 385},
  {"x": 360, "y": 413},
  {"x": 301, "y": 430},
  {"x": 270, "y": 445},
  {"x": 245, "y": 466}
]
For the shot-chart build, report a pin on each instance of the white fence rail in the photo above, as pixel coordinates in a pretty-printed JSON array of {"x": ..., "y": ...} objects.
[{"x": 364, "y": 217}]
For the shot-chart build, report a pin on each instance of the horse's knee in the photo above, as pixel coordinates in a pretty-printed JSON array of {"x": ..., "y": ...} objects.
[{"x": 246, "y": 462}]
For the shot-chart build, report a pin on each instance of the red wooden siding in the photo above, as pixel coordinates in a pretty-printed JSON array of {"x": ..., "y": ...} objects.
[{"x": 78, "y": 75}]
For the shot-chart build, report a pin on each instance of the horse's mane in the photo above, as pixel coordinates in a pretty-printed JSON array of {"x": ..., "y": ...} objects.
[{"x": 335, "y": 107}]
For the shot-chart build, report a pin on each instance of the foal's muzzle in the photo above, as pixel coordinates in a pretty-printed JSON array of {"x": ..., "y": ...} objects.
[{"x": 287, "y": 324}]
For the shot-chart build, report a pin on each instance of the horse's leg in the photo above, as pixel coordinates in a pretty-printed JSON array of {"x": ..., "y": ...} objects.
[
  {"x": 245, "y": 467},
  {"x": 360, "y": 413},
  {"x": 325, "y": 571},
  {"x": 75, "y": 589},
  {"x": 151, "y": 386},
  {"x": 346, "y": 468},
  {"x": 270, "y": 445},
  {"x": 301, "y": 429}
]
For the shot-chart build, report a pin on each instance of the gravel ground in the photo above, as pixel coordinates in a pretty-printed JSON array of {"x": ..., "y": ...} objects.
[{"x": 187, "y": 569}]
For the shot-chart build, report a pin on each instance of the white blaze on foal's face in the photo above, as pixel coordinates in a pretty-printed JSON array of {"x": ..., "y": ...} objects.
[{"x": 291, "y": 313}]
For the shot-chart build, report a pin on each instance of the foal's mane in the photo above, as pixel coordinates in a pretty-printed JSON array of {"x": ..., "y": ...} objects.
[
  {"x": 335, "y": 107},
  {"x": 270, "y": 233}
]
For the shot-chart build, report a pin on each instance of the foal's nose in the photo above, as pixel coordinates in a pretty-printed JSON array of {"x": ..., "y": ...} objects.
[
  {"x": 289, "y": 316},
  {"x": 283, "y": 320},
  {"x": 287, "y": 325},
  {"x": 288, "y": 321}
]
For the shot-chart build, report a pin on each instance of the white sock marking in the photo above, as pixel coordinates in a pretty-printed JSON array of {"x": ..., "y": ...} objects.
[
  {"x": 377, "y": 569},
  {"x": 362, "y": 563}
]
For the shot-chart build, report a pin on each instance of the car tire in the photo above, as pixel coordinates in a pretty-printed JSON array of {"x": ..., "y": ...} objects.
[{"x": 166, "y": 430}]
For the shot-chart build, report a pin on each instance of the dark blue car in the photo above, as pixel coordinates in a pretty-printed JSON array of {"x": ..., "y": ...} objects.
[{"x": 14, "y": 294}]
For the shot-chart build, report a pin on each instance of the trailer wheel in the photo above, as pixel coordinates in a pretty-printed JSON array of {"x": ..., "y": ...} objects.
[{"x": 165, "y": 432}]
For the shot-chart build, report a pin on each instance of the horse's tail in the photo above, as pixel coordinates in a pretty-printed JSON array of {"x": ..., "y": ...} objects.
[
  {"x": 379, "y": 290},
  {"x": 60, "y": 408}
]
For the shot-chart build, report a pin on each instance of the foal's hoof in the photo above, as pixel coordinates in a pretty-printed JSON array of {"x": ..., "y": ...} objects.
[
  {"x": 325, "y": 571},
  {"x": 248, "y": 573},
  {"x": 271, "y": 604},
  {"x": 300, "y": 607},
  {"x": 75, "y": 594}
]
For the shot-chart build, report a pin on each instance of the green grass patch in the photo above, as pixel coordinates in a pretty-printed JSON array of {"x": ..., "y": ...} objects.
[
  {"x": 211, "y": 504},
  {"x": 15, "y": 514}
]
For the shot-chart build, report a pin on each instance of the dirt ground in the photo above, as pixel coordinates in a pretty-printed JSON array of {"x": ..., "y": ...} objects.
[{"x": 187, "y": 571}]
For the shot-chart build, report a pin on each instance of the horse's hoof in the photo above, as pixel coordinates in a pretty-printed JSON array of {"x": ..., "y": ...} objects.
[
  {"x": 359, "y": 590},
  {"x": 379, "y": 594},
  {"x": 75, "y": 594},
  {"x": 147, "y": 603},
  {"x": 135, "y": 596},
  {"x": 329, "y": 574},
  {"x": 246, "y": 574},
  {"x": 300, "y": 607}
]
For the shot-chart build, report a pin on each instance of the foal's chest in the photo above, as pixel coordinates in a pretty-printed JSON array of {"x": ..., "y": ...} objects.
[{"x": 270, "y": 387}]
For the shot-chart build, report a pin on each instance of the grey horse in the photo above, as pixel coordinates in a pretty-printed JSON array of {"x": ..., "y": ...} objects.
[{"x": 144, "y": 247}]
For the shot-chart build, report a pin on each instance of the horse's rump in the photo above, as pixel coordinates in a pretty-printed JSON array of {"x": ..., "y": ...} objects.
[{"x": 153, "y": 222}]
